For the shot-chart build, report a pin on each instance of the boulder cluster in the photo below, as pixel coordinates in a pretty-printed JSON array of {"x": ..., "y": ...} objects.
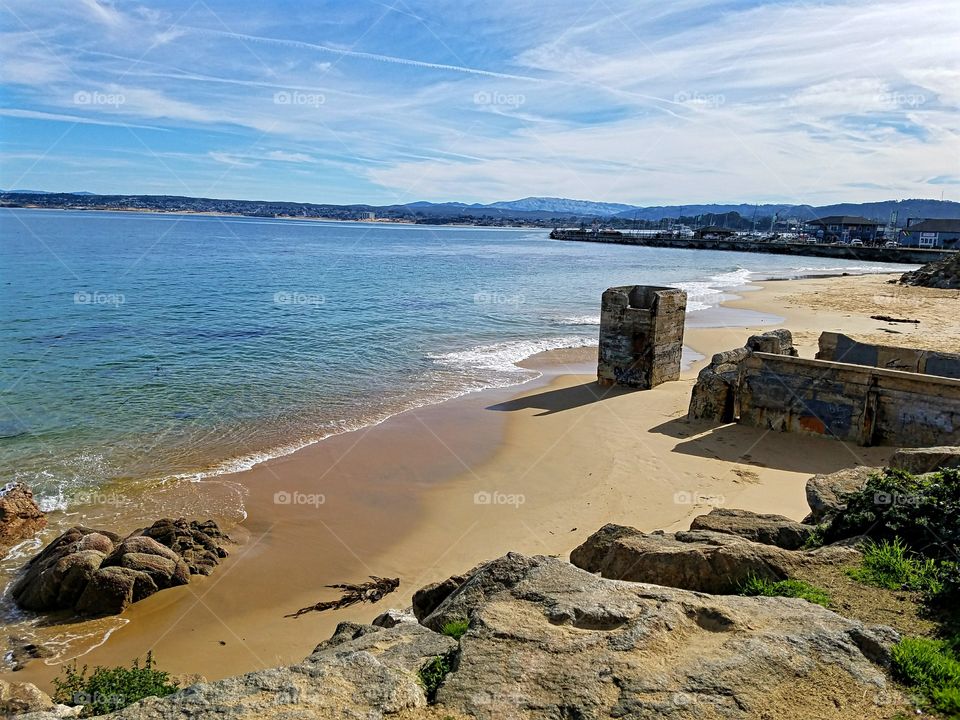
[
  {"x": 96, "y": 572},
  {"x": 943, "y": 274}
]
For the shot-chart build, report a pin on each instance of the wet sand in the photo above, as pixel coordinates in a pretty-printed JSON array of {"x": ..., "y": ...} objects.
[{"x": 535, "y": 468}]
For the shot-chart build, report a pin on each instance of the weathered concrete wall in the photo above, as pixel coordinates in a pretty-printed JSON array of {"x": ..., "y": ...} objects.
[
  {"x": 715, "y": 394},
  {"x": 641, "y": 335},
  {"x": 866, "y": 405},
  {"x": 837, "y": 347}
]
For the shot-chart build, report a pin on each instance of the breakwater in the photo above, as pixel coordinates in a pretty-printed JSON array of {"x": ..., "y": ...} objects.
[{"x": 910, "y": 256}]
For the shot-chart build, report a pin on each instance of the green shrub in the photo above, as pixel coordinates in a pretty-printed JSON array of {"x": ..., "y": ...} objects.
[
  {"x": 893, "y": 566},
  {"x": 110, "y": 689},
  {"x": 930, "y": 667},
  {"x": 921, "y": 510},
  {"x": 433, "y": 673},
  {"x": 455, "y": 628},
  {"x": 785, "y": 588}
]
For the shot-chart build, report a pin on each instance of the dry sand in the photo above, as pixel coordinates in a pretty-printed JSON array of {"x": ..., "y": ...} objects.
[{"x": 432, "y": 492}]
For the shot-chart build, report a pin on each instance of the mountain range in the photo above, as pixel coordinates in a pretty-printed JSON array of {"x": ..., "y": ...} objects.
[{"x": 528, "y": 208}]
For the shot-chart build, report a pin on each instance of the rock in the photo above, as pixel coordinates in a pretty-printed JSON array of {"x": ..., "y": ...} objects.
[
  {"x": 20, "y": 516},
  {"x": 368, "y": 674},
  {"x": 427, "y": 598},
  {"x": 767, "y": 529},
  {"x": 548, "y": 641},
  {"x": 55, "y": 578},
  {"x": 70, "y": 573},
  {"x": 392, "y": 618},
  {"x": 111, "y": 589},
  {"x": 17, "y": 698},
  {"x": 198, "y": 544},
  {"x": 697, "y": 560},
  {"x": 825, "y": 492},
  {"x": 944, "y": 274},
  {"x": 924, "y": 460},
  {"x": 21, "y": 651}
]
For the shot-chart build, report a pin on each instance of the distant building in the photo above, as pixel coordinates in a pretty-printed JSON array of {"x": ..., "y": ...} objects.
[
  {"x": 844, "y": 228},
  {"x": 713, "y": 232},
  {"x": 369, "y": 216},
  {"x": 932, "y": 234}
]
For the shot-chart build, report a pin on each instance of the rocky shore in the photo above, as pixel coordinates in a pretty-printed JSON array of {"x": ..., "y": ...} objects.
[{"x": 637, "y": 625}]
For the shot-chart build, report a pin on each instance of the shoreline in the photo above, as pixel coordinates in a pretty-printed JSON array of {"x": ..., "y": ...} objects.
[{"x": 399, "y": 497}]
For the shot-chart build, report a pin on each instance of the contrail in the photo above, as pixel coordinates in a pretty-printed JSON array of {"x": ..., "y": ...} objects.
[{"x": 358, "y": 54}]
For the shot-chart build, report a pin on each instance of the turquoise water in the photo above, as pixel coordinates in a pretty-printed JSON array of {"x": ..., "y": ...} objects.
[{"x": 148, "y": 346}]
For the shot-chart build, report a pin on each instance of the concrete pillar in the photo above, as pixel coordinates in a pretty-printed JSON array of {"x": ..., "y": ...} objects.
[{"x": 641, "y": 335}]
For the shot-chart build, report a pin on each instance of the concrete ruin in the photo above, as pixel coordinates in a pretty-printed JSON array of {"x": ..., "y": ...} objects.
[
  {"x": 641, "y": 335},
  {"x": 859, "y": 400}
]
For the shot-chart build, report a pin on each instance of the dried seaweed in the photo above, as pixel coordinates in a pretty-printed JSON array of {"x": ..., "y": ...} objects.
[{"x": 371, "y": 592}]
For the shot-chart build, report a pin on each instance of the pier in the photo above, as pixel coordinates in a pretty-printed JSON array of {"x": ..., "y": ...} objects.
[{"x": 911, "y": 256}]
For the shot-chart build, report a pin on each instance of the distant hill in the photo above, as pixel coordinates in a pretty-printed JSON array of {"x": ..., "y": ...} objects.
[
  {"x": 539, "y": 211},
  {"x": 562, "y": 206}
]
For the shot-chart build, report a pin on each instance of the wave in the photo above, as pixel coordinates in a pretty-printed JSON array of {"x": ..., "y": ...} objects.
[{"x": 502, "y": 357}]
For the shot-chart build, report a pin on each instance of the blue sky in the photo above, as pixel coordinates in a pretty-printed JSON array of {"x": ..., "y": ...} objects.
[{"x": 396, "y": 101}]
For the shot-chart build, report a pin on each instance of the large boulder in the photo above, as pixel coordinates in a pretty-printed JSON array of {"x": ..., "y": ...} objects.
[
  {"x": 549, "y": 641},
  {"x": 767, "y": 529},
  {"x": 696, "y": 560},
  {"x": 825, "y": 493},
  {"x": 20, "y": 516},
  {"x": 94, "y": 572},
  {"x": 924, "y": 460},
  {"x": 700, "y": 560}
]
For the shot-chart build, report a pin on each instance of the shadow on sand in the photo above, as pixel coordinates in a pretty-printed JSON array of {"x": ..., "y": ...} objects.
[
  {"x": 554, "y": 401},
  {"x": 767, "y": 448}
]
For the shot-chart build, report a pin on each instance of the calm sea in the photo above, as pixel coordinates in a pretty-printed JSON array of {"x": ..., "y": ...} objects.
[{"x": 138, "y": 346}]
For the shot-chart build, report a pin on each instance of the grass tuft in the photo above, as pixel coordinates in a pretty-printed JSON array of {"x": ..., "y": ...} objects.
[
  {"x": 784, "y": 588},
  {"x": 930, "y": 667},
  {"x": 891, "y": 565},
  {"x": 455, "y": 628}
]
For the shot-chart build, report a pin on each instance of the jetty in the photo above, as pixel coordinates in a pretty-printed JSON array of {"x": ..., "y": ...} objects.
[{"x": 870, "y": 253}]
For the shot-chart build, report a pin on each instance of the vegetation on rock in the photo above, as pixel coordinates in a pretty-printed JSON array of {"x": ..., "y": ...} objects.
[
  {"x": 930, "y": 667},
  {"x": 434, "y": 671},
  {"x": 455, "y": 628},
  {"x": 110, "y": 689},
  {"x": 785, "y": 588}
]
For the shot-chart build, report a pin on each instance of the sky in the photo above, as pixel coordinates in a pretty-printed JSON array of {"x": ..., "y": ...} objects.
[{"x": 638, "y": 102}]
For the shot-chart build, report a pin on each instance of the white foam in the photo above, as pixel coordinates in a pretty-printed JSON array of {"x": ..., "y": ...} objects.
[
  {"x": 502, "y": 357},
  {"x": 575, "y": 320}
]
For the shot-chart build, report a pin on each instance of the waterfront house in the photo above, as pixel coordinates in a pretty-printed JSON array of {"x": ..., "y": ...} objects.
[
  {"x": 844, "y": 228},
  {"x": 932, "y": 234}
]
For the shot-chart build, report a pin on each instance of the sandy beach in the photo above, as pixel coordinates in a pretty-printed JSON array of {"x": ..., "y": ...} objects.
[{"x": 535, "y": 468}]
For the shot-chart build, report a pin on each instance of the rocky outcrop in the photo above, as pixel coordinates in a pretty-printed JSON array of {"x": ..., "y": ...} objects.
[
  {"x": 924, "y": 460},
  {"x": 943, "y": 274},
  {"x": 94, "y": 572},
  {"x": 547, "y": 640},
  {"x": 20, "y": 516},
  {"x": 825, "y": 493},
  {"x": 17, "y": 698},
  {"x": 709, "y": 562},
  {"x": 714, "y": 396},
  {"x": 767, "y": 529}
]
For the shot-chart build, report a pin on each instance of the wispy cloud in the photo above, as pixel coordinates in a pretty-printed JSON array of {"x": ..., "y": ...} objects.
[{"x": 622, "y": 100}]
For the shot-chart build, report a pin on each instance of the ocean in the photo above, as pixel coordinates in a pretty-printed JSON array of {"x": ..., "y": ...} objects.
[{"x": 148, "y": 347}]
